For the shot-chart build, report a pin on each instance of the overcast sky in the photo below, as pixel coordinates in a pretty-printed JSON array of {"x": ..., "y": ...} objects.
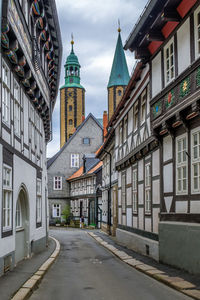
[{"x": 94, "y": 25}]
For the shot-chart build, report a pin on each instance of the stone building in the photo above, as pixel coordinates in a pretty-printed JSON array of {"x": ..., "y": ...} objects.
[
  {"x": 72, "y": 99},
  {"x": 169, "y": 43},
  {"x": 87, "y": 139},
  {"x": 30, "y": 57}
]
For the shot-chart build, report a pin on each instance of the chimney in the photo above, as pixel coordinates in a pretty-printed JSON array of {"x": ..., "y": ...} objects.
[
  {"x": 83, "y": 119},
  {"x": 105, "y": 124}
]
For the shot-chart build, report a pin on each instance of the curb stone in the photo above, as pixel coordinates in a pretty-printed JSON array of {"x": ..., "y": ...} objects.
[
  {"x": 177, "y": 283},
  {"x": 32, "y": 283}
]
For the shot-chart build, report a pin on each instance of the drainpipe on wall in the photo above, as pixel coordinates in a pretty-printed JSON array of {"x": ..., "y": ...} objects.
[{"x": 109, "y": 195}]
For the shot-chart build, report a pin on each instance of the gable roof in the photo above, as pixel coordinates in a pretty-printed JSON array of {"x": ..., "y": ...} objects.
[{"x": 53, "y": 158}]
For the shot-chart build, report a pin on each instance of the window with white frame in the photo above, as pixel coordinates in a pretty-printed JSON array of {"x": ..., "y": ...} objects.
[
  {"x": 195, "y": 168},
  {"x": 39, "y": 202},
  {"x": 5, "y": 94},
  {"x": 7, "y": 198},
  {"x": 18, "y": 218},
  {"x": 197, "y": 31},
  {"x": 17, "y": 108},
  {"x": 143, "y": 106},
  {"x": 135, "y": 194},
  {"x": 74, "y": 160},
  {"x": 120, "y": 133},
  {"x": 125, "y": 128},
  {"x": 148, "y": 188},
  {"x": 135, "y": 116},
  {"x": 181, "y": 165},
  {"x": 32, "y": 126},
  {"x": 169, "y": 62},
  {"x": 57, "y": 183},
  {"x": 123, "y": 193},
  {"x": 88, "y": 186},
  {"x": 56, "y": 209}
]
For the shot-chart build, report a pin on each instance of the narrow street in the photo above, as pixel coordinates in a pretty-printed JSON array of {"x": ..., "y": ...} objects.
[{"x": 85, "y": 270}]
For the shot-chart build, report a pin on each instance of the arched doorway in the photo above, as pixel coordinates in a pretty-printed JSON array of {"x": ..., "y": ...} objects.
[{"x": 22, "y": 226}]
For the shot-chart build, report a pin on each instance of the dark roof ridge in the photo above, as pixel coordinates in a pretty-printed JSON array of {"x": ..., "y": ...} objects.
[{"x": 55, "y": 156}]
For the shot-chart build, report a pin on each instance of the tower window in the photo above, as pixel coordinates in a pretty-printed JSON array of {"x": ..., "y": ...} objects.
[
  {"x": 70, "y": 122},
  {"x": 70, "y": 107},
  {"x": 71, "y": 71},
  {"x": 76, "y": 71},
  {"x": 119, "y": 92}
]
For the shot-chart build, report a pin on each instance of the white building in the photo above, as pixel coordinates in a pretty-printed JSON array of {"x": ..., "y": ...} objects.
[{"x": 30, "y": 57}]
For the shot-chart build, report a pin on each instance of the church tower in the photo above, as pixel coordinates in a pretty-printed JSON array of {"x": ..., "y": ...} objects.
[
  {"x": 72, "y": 98},
  {"x": 119, "y": 77}
]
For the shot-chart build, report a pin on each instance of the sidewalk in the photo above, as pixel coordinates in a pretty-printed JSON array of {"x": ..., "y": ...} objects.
[
  {"x": 12, "y": 281},
  {"x": 177, "y": 279}
]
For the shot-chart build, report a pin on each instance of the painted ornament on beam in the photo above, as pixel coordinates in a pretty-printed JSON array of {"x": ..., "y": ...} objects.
[
  {"x": 12, "y": 56},
  {"x": 157, "y": 109},
  {"x": 40, "y": 23},
  {"x": 185, "y": 87},
  {"x": 35, "y": 8},
  {"x": 198, "y": 77},
  {"x": 4, "y": 41},
  {"x": 169, "y": 100},
  {"x": 20, "y": 71}
]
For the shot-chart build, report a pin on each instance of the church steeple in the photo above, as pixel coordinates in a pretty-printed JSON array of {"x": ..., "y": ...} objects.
[
  {"x": 119, "y": 77},
  {"x": 72, "y": 98},
  {"x": 72, "y": 69},
  {"x": 119, "y": 73}
]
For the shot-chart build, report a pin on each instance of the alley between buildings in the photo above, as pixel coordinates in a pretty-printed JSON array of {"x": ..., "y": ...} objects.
[{"x": 85, "y": 270}]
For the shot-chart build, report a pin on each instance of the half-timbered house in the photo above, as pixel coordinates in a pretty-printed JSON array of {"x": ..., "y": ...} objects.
[
  {"x": 167, "y": 37},
  {"x": 85, "y": 191},
  {"x": 30, "y": 57},
  {"x": 137, "y": 162}
]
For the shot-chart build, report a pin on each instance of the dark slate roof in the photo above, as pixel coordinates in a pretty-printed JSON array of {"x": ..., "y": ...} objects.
[
  {"x": 90, "y": 161},
  {"x": 53, "y": 158},
  {"x": 100, "y": 121}
]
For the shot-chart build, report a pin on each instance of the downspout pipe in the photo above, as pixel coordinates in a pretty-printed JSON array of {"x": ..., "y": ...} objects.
[{"x": 109, "y": 194}]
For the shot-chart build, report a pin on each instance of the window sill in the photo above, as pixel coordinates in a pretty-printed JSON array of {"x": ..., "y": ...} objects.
[
  {"x": 147, "y": 213},
  {"x": 18, "y": 229}
]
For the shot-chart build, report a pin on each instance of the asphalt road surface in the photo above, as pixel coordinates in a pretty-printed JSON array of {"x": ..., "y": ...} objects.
[{"x": 86, "y": 270}]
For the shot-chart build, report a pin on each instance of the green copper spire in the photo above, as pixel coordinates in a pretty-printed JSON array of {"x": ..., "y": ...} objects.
[
  {"x": 119, "y": 73},
  {"x": 72, "y": 70}
]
